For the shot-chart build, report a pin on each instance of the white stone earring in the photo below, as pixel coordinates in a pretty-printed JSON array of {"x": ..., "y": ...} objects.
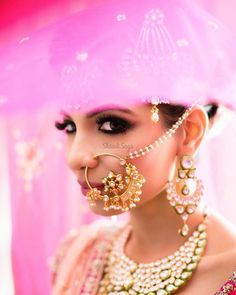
[{"x": 185, "y": 191}]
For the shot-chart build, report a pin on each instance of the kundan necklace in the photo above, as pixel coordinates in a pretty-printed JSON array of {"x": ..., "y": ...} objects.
[{"x": 124, "y": 276}]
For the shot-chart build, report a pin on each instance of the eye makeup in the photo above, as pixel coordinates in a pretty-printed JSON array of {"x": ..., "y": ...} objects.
[
  {"x": 109, "y": 124},
  {"x": 117, "y": 125},
  {"x": 66, "y": 125}
]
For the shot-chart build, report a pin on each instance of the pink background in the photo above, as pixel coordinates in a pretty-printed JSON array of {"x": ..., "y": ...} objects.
[{"x": 39, "y": 198}]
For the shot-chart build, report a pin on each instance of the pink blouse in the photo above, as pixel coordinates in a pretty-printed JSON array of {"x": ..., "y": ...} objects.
[
  {"x": 229, "y": 287},
  {"x": 77, "y": 267}
]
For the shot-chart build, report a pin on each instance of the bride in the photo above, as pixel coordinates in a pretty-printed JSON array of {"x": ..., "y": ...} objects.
[
  {"x": 153, "y": 251},
  {"x": 140, "y": 157}
]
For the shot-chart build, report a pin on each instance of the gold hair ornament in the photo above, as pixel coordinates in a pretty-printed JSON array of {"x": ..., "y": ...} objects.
[{"x": 155, "y": 109}]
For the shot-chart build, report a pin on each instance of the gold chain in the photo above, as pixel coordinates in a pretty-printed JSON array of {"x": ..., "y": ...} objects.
[{"x": 169, "y": 133}]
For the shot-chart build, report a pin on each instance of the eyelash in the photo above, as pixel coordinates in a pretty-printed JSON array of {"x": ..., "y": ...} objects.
[
  {"x": 62, "y": 126},
  {"x": 124, "y": 124}
]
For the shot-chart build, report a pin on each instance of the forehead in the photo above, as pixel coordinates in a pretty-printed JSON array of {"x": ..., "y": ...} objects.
[{"x": 91, "y": 111}]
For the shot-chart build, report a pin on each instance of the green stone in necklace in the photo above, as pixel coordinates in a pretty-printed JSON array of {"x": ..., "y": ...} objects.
[{"x": 123, "y": 276}]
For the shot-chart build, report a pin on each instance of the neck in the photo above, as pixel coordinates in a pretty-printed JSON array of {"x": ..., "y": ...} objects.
[{"x": 155, "y": 228}]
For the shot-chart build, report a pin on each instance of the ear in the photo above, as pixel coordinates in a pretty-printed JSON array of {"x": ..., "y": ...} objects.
[{"x": 194, "y": 129}]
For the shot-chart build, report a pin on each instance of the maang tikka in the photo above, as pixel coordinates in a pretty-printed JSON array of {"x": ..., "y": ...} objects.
[
  {"x": 154, "y": 112},
  {"x": 184, "y": 191},
  {"x": 123, "y": 192}
]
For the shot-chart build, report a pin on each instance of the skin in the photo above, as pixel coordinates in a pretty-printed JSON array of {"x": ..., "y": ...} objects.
[{"x": 154, "y": 222}]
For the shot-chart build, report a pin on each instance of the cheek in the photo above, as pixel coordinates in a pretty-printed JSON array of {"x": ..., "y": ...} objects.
[
  {"x": 157, "y": 167},
  {"x": 68, "y": 146}
]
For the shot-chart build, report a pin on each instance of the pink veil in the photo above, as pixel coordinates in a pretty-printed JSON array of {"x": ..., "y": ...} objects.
[{"x": 121, "y": 51}]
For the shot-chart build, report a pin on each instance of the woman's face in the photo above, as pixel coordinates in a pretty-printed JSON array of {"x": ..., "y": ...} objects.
[{"x": 119, "y": 131}]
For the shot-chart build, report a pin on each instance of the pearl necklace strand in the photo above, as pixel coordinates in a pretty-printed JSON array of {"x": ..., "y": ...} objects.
[{"x": 123, "y": 276}]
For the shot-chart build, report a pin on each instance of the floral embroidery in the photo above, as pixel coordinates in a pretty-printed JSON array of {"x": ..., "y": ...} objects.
[
  {"x": 233, "y": 278},
  {"x": 56, "y": 260},
  {"x": 230, "y": 287},
  {"x": 29, "y": 160}
]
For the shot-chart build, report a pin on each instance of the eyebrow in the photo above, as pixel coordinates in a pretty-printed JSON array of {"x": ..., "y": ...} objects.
[
  {"x": 104, "y": 109},
  {"x": 109, "y": 108}
]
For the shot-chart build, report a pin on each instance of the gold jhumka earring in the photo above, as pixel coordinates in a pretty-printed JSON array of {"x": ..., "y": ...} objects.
[
  {"x": 122, "y": 192},
  {"x": 184, "y": 191}
]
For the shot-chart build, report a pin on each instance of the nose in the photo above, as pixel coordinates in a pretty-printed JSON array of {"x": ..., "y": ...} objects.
[{"x": 80, "y": 153}]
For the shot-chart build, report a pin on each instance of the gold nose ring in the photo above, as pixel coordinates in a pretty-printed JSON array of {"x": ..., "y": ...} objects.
[{"x": 124, "y": 189}]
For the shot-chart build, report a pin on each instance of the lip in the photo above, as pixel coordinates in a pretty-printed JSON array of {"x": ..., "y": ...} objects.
[
  {"x": 85, "y": 189},
  {"x": 93, "y": 184}
]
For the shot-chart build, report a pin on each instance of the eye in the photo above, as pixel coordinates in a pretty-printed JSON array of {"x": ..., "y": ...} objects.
[
  {"x": 67, "y": 125},
  {"x": 113, "y": 124}
]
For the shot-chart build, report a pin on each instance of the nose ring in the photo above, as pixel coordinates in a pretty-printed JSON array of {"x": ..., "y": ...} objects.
[{"x": 122, "y": 191}]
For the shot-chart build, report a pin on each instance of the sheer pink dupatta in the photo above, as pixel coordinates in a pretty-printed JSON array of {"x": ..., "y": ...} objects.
[{"x": 79, "y": 262}]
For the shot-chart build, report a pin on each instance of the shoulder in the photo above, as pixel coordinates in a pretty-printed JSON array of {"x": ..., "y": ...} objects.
[
  {"x": 221, "y": 236},
  {"x": 78, "y": 242},
  {"x": 219, "y": 262},
  {"x": 221, "y": 247},
  {"x": 63, "y": 245}
]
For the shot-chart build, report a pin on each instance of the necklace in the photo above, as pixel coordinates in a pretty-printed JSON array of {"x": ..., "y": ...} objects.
[{"x": 123, "y": 276}]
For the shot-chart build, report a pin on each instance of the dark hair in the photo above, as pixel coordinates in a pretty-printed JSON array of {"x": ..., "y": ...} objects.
[{"x": 172, "y": 113}]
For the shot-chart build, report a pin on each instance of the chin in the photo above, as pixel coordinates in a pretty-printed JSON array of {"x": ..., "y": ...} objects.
[{"x": 98, "y": 210}]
